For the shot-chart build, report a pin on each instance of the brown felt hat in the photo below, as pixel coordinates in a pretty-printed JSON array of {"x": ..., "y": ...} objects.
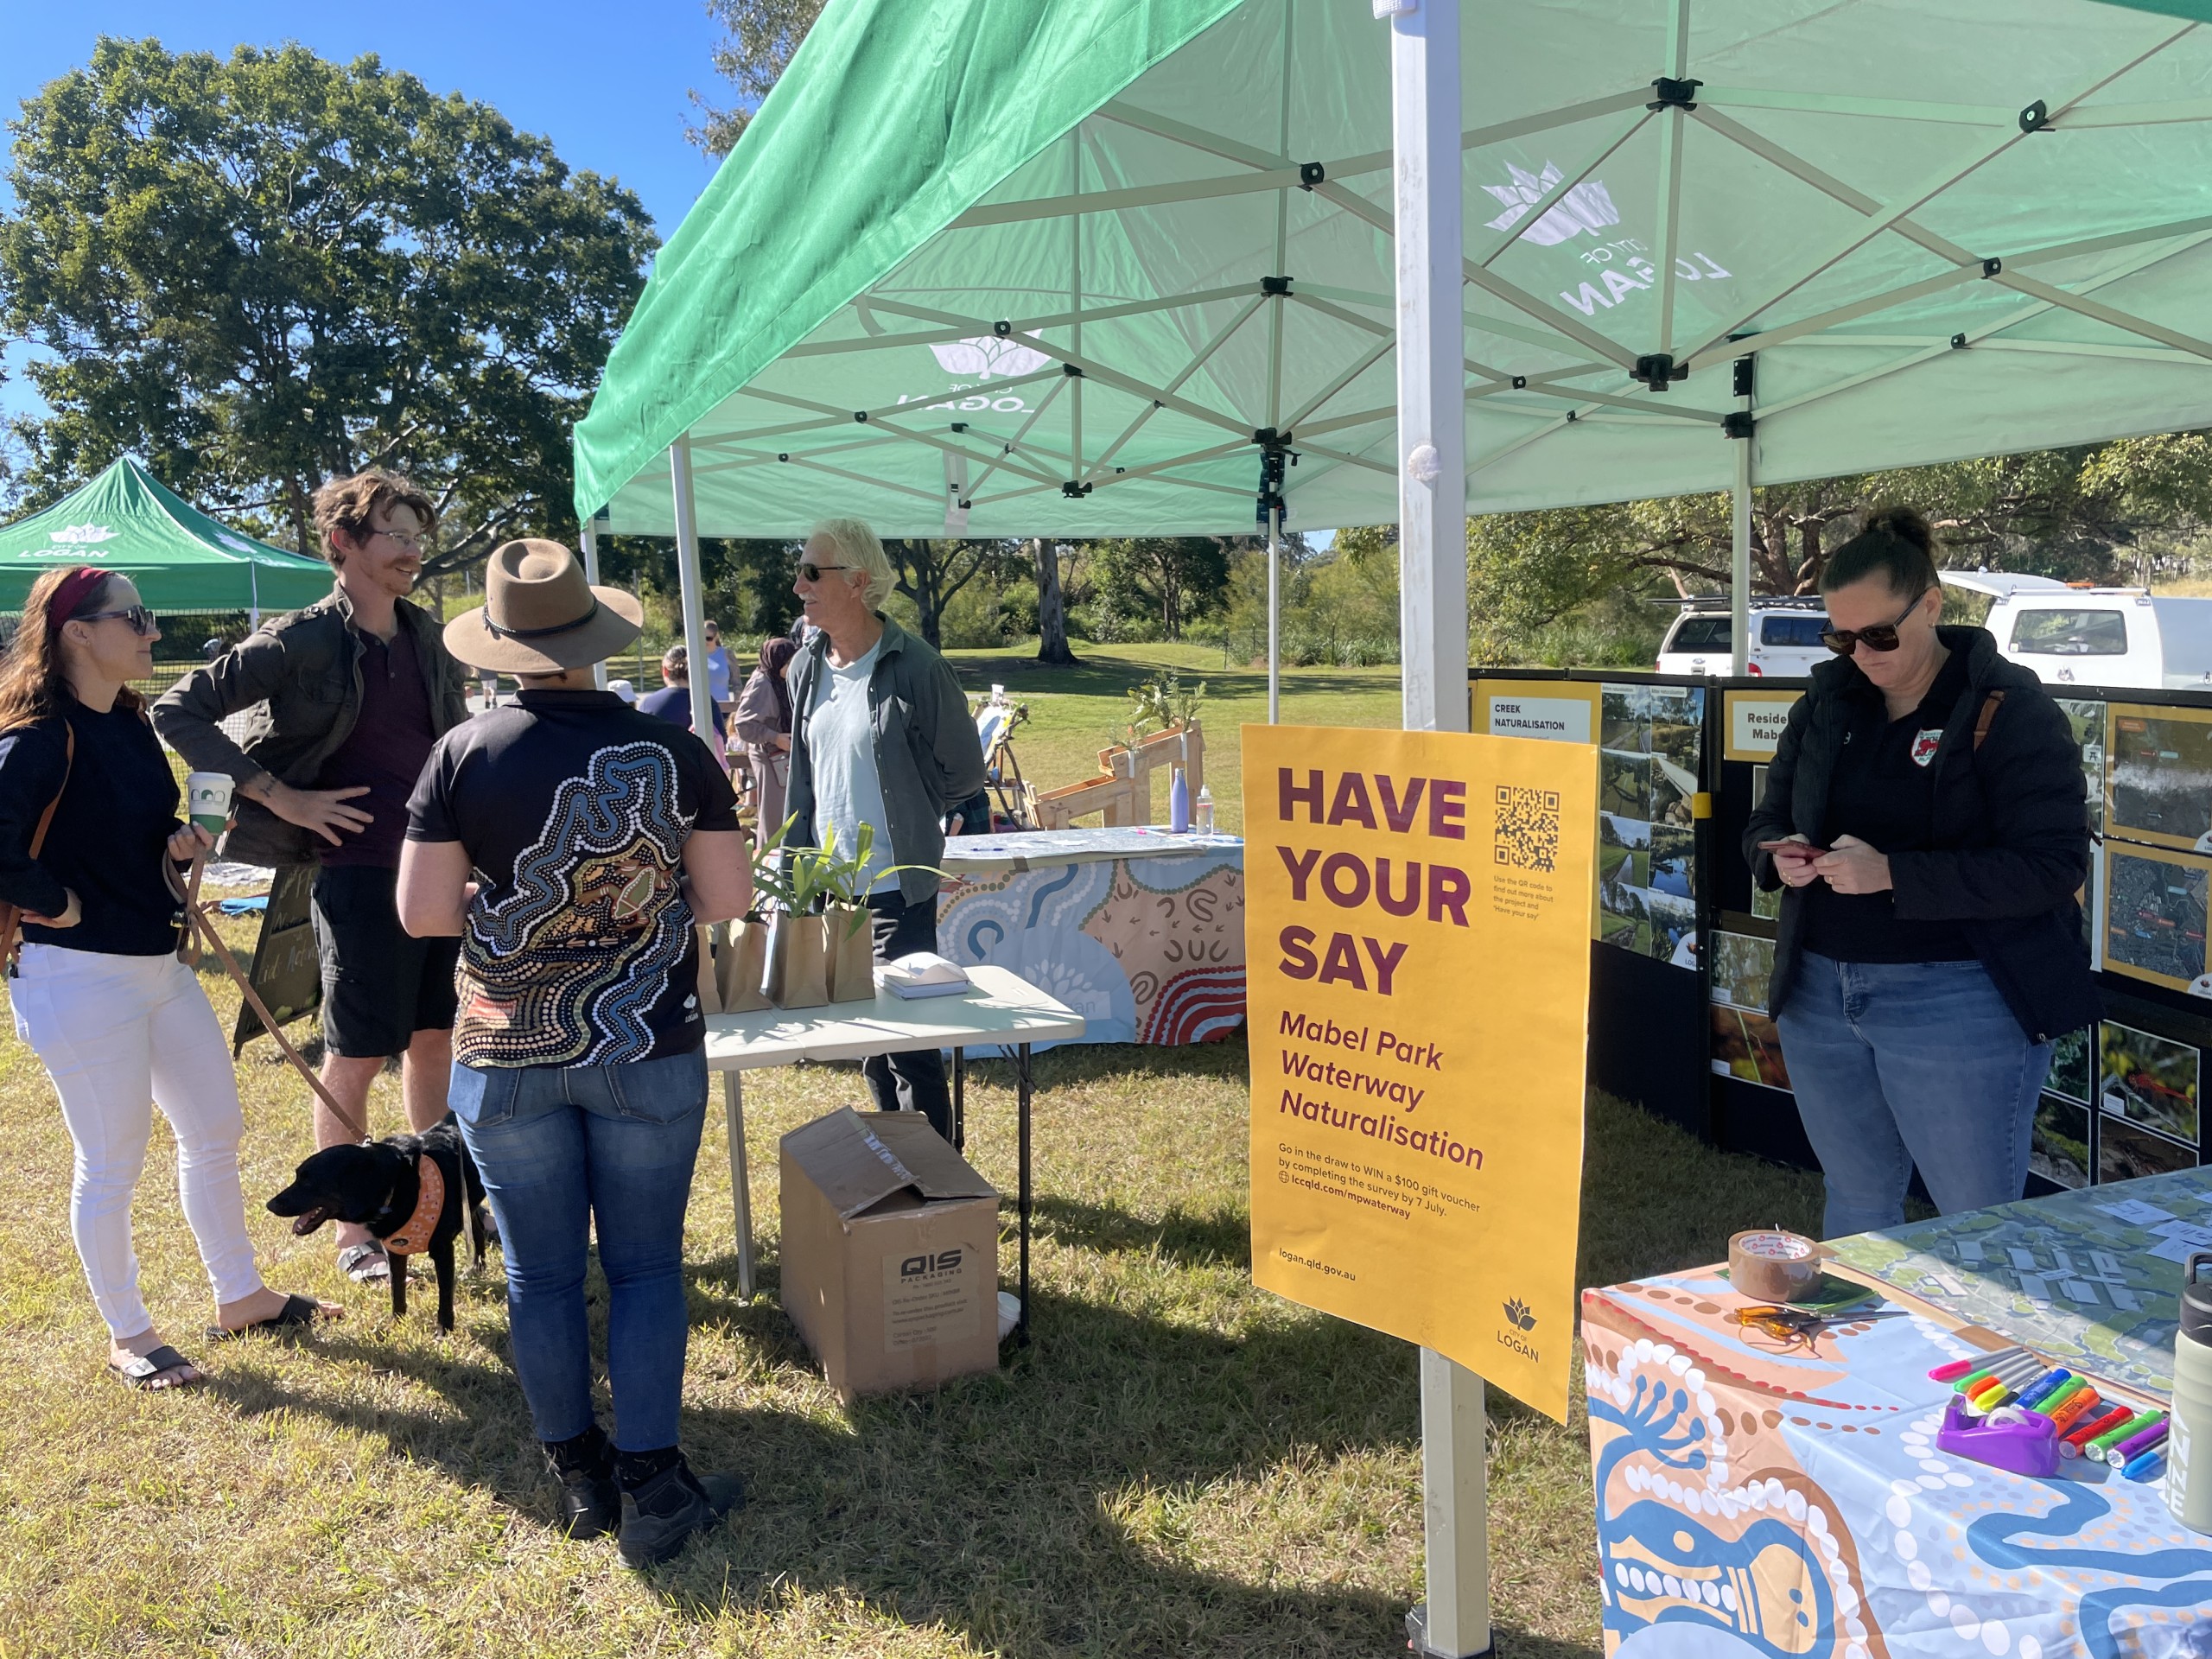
[{"x": 539, "y": 615}]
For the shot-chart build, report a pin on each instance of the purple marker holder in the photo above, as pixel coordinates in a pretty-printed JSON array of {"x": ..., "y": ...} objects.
[{"x": 2008, "y": 1438}]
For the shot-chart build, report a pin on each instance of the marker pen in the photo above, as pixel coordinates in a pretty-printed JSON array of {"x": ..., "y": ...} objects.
[
  {"x": 2044, "y": 1387},
  {"x": 2126, "y": 1449},
  {"x": 2099, "y": 1444},
  {"x": 2071, "y": 1445},
  {"x": 2149, "y": 1466},
  {"x": 2074, "y": 1410}
]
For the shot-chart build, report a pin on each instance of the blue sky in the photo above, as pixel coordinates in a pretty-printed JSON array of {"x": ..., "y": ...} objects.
[{"x": 606, "y": 84}]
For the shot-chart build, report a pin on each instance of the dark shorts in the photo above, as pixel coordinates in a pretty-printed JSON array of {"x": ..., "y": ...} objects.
[{"x": 380, "y": 986}]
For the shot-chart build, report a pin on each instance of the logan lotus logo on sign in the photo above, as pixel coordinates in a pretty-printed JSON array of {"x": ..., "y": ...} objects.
[
  {"x": 1588, "y": 207},
  {"x": 73, "y": 542},
  {"x": 1624, "y": 265}
]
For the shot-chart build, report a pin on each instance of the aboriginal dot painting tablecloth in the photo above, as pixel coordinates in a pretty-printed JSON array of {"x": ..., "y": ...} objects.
[
  {"x": 1147, "y": 949},
  {"x": 1757, "y": 1499}
]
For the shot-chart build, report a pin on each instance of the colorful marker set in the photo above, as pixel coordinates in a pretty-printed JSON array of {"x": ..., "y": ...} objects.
[{"x": 2086, "y": 1425}]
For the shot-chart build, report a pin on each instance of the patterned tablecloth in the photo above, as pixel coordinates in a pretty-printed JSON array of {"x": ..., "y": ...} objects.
[
  {"x": 1755, "y": 1503},
  {"x": 1148, "y": 945}
]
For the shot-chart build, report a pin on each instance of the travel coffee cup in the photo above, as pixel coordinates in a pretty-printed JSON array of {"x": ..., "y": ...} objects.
[{"x": 207, "y": 800}]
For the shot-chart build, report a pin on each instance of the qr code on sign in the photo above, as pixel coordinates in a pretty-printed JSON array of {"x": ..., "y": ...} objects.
[{"x": 1528, "y": 827}]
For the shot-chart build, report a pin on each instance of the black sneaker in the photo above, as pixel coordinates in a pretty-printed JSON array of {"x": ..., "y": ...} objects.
[
  {"x": 590, "y": 1501},
  {"x": 660, "y": 1517}
]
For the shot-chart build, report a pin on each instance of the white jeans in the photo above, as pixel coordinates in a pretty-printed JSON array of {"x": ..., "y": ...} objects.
[{"x": 116, "y": 1034}]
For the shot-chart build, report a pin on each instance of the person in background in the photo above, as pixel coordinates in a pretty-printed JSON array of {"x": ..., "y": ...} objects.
[
  {"x": 353, "y": 691},
  {"x": 1924, "y": 815},
  {"x": 599, "y": 837},
  {"x": 721, "y": 680},
  {"x": 672, "y": 702},
  {"x": 623, "y": 689},
  {"x": 120, "y": 1024},
  {"x": 880, "y": 735},
  {"x": 764, "y": 726}
]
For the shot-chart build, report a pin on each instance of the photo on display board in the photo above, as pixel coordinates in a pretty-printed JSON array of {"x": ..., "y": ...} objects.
[
  {"x": 1649, "y": 738},
  {"x": 2059, "y": 1150},
  {"x": 1766, "y": 906},
  {"x": 1741, "y": 967},
  {"x": 2126, "y": 1152},
  {"x": 2148, "y": 1080},
  {"x": 2159, "y": 786},
  {"x": 2086, "y": 717},
  {"x": 1746, "y": 1045},
  {"x": 2072, "y": 1058},
  {"x": 2154, "y": 916}
]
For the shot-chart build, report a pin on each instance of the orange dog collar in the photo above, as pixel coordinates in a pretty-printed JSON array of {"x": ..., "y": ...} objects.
[{"x": 413, "y": 1233}]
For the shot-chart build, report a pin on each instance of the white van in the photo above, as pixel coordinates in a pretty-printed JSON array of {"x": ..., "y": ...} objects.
[
  {"x": 1785, "y": 636},
  {"x": 2095, "y": 635}
]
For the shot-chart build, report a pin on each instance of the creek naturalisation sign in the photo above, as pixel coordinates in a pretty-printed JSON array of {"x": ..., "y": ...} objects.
[{"x": 1418, "y": 943}]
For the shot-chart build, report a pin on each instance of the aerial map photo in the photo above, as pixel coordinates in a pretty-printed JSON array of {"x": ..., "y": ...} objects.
[
  {"x": 2161, "y": 780},
  {"x": 2155, "y": 914}
]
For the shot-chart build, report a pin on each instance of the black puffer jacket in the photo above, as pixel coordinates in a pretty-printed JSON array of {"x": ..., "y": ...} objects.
[{"x": 2010, "y": 839}]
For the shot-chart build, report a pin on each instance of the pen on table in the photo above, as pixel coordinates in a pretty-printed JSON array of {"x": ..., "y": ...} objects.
[
  {"x": 2098, "y": 1445},
  {"x": 2129, "y": 1448},
  {"x": 2071, "y": 1443},
  {"x": 2149, "y": 1466},
  {"x": 2044, "y": 1387}
]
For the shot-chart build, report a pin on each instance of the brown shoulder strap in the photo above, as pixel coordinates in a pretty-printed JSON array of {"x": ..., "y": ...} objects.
[
  {"x": 11, "y": 917},
  {"x": 1988, "y": 713}
]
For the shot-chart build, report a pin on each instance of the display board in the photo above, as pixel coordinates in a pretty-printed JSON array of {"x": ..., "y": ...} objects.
[
  {"x": 1751, "y": 722},
  {"x": 1419, "y": 981}
]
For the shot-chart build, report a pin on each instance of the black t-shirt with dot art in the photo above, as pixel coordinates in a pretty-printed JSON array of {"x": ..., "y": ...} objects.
[{"x": 573, "y": 809}]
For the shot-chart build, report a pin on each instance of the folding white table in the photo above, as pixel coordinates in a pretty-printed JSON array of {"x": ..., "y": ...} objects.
[{"x": 1000, "y": 1009}]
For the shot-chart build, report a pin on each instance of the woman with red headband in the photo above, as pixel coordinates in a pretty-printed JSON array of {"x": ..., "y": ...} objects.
[{"x": 99, "y": 992}]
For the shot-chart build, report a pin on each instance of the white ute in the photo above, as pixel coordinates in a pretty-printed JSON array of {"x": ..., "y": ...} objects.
[
  {"x": 2095, "y": 635},
  {"x": 1785, "y": 636}
]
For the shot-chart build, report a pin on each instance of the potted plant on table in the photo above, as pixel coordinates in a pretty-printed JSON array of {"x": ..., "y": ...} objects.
[
  {"x": 843, "y": 881},
  {"x": 740, "y": 947},
  {"x": 797, "y": 972}
]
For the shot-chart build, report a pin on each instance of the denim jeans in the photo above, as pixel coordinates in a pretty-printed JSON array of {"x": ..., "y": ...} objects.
[
  {"x": 912, "y": 1082},
  {"x": 561, "y": 1148},
  {"x": 1903, "y": 1063}
]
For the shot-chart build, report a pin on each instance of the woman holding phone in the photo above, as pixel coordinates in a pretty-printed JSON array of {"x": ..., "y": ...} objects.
[
  {"x": 120, "y": 1024},
  {"x": 1925, "y": 815}
]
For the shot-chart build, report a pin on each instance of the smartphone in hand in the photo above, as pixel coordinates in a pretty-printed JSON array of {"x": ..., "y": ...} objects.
[{"x": 1794, "y": 848}]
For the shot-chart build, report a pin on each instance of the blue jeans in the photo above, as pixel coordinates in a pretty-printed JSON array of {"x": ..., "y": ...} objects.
[
  {"x": 1899, "y": 1064},
  {"x": 563, "y": 1148}
]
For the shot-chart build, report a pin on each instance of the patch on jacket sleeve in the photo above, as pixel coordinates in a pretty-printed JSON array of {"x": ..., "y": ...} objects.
[{"x": 1924, "y": 745}]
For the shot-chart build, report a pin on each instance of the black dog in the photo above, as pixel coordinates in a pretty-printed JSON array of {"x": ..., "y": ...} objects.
[{"x": 381, "y": 1185}]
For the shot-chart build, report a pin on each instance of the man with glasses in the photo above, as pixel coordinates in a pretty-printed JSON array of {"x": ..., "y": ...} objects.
[
  {"x": 347, "y": 697},
  {"x": 880, "y": 735}
]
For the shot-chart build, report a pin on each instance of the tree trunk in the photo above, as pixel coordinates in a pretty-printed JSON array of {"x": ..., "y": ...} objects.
[{"x": 1051, "y": 614}]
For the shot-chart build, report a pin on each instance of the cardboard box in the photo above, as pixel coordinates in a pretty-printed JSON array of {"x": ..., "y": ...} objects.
[{"x": 890, "y": 1253}]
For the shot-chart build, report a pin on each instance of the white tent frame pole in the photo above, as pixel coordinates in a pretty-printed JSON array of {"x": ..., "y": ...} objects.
[
  {"x": 1429, "y": 246},
  {"x": 1275, "y": 616},
  {"x": 687, "y": 579},
  {"x": 1739, "y": 553},
  {"x": 588, "y": 545}
]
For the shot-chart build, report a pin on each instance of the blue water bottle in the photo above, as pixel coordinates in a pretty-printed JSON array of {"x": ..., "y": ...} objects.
[{"x": 1178, "y": 803}]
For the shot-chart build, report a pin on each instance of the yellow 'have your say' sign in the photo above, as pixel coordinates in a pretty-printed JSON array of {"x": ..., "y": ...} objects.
[{"x": 1418, "y": 940}]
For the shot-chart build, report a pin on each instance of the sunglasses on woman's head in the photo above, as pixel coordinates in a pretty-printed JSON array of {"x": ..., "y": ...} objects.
[
  {"x": 141, "y": 619},
  {"x": 810, "y": 571},
  {"x": 1883, "y": 636}
]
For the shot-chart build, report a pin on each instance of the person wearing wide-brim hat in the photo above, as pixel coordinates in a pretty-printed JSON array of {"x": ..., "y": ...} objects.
[{"x": 578, "y": 1077}]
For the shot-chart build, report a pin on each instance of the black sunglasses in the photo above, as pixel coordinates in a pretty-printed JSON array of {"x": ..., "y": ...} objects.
[
  {"x": 142, "y": 620},
  {"x": 1883, "y": 636},
  {"x": 810, "y": 571}
]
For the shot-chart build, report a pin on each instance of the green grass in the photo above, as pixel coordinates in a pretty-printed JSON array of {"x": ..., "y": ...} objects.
[
  {"x": 1180, "y": 1464},
  {"x": 1070, "y": 709}
]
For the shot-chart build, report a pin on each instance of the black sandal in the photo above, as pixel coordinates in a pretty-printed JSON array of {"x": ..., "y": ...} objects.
[
  {"x": 297, "y": 1312},
  {"x": 142, "y": 1369}
]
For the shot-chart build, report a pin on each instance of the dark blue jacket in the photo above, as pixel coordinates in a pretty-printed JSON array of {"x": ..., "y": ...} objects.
[{"x": 2010, "y": 837}]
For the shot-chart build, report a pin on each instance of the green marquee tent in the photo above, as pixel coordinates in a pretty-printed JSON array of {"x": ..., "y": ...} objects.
[
  {"x": 127, "y": 520},
  {"x": 1073, "y": 265}
]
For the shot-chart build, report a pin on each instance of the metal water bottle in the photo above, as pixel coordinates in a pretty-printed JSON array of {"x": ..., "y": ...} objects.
[
  {"x": 2189, "y": 1437},
  {"x": 1178, "y": 803}
]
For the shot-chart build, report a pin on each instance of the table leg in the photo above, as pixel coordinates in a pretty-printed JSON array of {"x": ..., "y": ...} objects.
[
  {"x": 1022, "y": 1076},
  {"x": 959, "y": 1100},
  {"x": 740, "y": 1187}
]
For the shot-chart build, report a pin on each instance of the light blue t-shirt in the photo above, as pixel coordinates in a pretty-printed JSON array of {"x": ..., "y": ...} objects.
[
  {"x": 840, "y": 743},
  {"x": 718, "y": 675}
]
